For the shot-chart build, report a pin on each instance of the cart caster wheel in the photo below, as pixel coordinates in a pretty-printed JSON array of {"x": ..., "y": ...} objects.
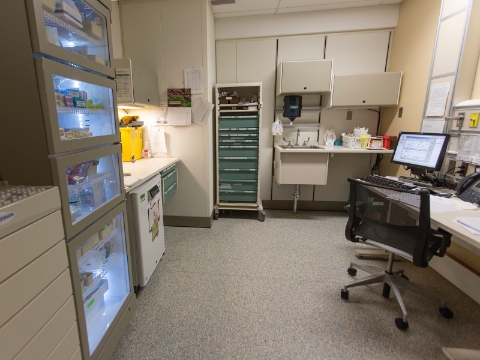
[
  {"x": 216, "y": 213},
  {"x": 402, "y": 325},
  {"x": 344, "y": 294},
  {"x": 386, "y": 291},
  {"x": 405, "y": 277},
  {"x": 352, "y": 271},
  {"x": 446, "y": 312},
  {"x": 261, "y": 216}
]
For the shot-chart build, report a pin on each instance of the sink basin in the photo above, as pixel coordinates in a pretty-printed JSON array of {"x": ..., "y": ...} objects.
[{"x": 292, "y": 147}]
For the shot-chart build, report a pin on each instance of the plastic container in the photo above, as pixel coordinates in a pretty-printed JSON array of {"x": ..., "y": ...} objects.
[
  {"x": 132, "y": 142},
  {"x": 356, "y": 142}
]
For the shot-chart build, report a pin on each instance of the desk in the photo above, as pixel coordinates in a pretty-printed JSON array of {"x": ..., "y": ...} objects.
[{"x": 145, "y": 169}]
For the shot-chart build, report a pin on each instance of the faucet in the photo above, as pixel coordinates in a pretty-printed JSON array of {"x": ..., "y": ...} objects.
[{"x": 298, "y": 134}]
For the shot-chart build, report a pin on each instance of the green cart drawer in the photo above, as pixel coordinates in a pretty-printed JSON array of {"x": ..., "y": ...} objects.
[
  {"x": 236, "y": 142},
  {"x": 168, "y": 170},
  {"x": 238, "y": 163},
  {"x": 226, "y": 123},
  {"x": 237, "y": 136},
  {"x": 247, "y": 150},
  {"x": 169, "y": 192},
  {"x": 238, "y": 196},
  {"x": 250, "y": 185},
  {"x": 238, "y": 174},
  {"x": 169, "y": 179}
]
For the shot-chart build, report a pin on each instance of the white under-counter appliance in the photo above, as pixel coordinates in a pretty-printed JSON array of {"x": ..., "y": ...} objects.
[{"x": 147, "y": 206}]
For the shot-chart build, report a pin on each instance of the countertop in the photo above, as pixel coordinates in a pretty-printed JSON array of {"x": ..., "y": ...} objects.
[
  {"x": 333, "y": 150},
  {"x": 145, "y": 169}
]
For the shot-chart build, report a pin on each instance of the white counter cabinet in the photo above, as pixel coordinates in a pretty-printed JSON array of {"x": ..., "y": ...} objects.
[{"x": 304, "y": 77}]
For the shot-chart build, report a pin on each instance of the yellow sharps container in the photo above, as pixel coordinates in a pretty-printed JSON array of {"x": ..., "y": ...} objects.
[{"x": 132, "y": 143}]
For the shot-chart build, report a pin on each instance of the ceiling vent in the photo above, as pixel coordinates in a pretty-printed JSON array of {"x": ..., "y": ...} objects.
[{"x": 222, "y": 2}]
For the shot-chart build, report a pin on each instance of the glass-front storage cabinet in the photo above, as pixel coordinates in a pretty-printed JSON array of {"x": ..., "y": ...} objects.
[
  {"x": 90, "y": 184},
  {"x": 75, "y": 31},
  {"x": 101, "y": 272},
  {"x": 78, "y": 107}
]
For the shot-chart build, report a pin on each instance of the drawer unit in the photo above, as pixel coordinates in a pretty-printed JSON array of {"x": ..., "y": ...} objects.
[
  {"x": 169, "y": 192},
  {"x": 237, "y": 153},
  {"x": 238, "y": 195},
  {"x": 250, "y": 185},
  {"x": 169, "y": 182},
  {"x": 230, "y": 162},
  {"x": 238, "y": 174},
  {"x": 245, "y": 150},
  {"x": 236, "y": 142},
  {"x": 227, "y": 122}
]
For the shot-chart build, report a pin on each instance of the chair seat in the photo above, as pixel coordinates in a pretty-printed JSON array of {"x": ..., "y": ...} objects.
[{"x": 402, "y": 239}]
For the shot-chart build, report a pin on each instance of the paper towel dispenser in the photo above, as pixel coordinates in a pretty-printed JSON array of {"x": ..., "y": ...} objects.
[
  {"x": 292, "y": 107},
  {"x": 137, "y": 86}
]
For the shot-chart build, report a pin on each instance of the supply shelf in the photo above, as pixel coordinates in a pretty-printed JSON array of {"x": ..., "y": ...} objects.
[
  {"x": 74, "y": 110},
  {"x": 237, "y": 152},
  {"x": 69, "y": 32},
  {"x": 76, "y": 189},
  {"x": 112, "y": 260},
  {"x": 84, "y": 258}
]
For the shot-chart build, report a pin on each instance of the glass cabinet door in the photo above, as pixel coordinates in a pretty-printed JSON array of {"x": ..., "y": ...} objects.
[
  {"x": 90, "y": 184},
  {"x": 99, "y": 258},
  {"x": 77, "y": 31},
  {"x": 78, "y": 107}
]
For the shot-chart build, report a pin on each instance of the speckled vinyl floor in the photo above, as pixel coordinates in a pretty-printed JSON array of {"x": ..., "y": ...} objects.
[{"x": 251, "y": 290}]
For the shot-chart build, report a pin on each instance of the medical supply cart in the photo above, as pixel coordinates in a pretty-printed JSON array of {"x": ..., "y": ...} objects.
[
  {"x": 64, "y": 132},
  {"x": 239, "y": 115}
]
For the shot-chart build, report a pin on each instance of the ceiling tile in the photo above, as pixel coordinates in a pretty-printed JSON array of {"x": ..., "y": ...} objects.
[
  {"x": 327, "y": 7},
  {"x": 301, "y": 3},
  {"x": 246, "y": 5},
  {"x": 245, "y": 13}
]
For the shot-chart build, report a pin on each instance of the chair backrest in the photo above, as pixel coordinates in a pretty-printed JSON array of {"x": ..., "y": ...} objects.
[{"x": 398, "y": 219}]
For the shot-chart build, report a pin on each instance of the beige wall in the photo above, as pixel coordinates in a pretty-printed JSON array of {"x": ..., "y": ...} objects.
[
  {"x": 411, "y": 52},
  {"x": 476, "y": 84}
]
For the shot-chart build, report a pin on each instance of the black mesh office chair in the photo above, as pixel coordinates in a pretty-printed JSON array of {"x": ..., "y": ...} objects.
[{"x": 382, "y": 217}]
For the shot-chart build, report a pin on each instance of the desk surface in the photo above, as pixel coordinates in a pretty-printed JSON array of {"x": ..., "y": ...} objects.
[
  {"x": 333, "y": 150},
  {"x": 445, "y": 220},
  {"x": 145, "y": 169}
]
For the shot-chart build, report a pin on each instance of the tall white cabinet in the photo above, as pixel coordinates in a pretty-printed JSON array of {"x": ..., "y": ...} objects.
[{"x": 238, "y": 135}]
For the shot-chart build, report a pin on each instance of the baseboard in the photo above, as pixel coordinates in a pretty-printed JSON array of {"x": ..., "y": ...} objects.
[
  {"x": 305, "y": 205},
  {"x": 458, "y": 275},
  {"x": 188, "y": 221}
]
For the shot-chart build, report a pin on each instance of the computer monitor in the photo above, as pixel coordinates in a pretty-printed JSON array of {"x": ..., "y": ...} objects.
[{"x": 420, "y": 151}]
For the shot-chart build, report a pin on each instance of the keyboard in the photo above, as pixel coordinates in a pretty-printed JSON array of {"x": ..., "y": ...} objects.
[{"x": 394, "y": 184}]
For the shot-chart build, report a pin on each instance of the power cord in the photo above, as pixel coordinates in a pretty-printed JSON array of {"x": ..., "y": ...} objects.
[{"x": 376, "y": 166}]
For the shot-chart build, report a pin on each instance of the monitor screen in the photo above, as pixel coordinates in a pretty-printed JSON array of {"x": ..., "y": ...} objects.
[{"x": 421, "y": 150}]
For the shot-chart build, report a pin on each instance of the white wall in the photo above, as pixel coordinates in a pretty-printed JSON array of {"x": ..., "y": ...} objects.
[
  {"x": 313, "y": 22},
  {"x": 116, "y": 31}
]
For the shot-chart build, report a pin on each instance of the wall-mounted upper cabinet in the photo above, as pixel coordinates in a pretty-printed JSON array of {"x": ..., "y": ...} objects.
[
  {"x": 304, "y": 77},
  {"x": 137, "y": 86},
  {"x": 365, "y": 90}
]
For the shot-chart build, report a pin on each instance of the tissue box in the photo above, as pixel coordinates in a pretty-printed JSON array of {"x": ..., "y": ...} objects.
[{"x": 92, "y": 29}]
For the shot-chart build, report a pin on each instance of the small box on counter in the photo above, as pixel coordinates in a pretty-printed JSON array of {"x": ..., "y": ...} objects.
[
  {"x": 74, "y": 93},
  {"x": 105, "y": 231}
]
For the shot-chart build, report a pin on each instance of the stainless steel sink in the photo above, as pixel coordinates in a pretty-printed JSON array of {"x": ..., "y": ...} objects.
[{"x": 292, "y": 147}]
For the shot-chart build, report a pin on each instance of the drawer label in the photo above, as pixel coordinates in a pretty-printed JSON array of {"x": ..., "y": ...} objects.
[{"x": 6, "y": 217}]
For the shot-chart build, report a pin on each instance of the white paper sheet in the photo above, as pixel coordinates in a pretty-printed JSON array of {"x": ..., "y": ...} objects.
[
  {"x": 438, "y": 99},
  {"x": 468, "y": 147},
  {"x": 156, "y": 135},
  {"x": 433, "y": 125},
  {"x": 124, "y": 85},
  {"x": 201, "y": 110},
  {"x": 439, "y": 204},
  {"x": 194, "y": 79},
  {"x": 179, "y": 116},
  {"x": 471, "y": 224}
]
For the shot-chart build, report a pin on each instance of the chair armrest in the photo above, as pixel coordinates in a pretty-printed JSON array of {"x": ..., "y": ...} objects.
[{"x": 443, "y": 239}]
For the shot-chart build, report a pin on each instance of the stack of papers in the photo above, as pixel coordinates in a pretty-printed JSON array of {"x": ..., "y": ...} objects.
[
  {"x": 472, "y": 224},
  {"x": 439, "y": 204}
]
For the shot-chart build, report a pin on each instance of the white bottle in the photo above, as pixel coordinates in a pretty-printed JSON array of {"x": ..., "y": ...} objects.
[{"x": 146, "y": 149}]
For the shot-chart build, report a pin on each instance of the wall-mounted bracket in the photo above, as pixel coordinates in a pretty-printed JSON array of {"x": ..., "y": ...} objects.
[{"x": 458, "y": 118}]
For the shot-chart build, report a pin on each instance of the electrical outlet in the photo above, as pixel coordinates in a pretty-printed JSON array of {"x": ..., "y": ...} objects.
[
  {"x": 474, "y": 120},
  {"x": 349, "y": 115},
  {"x": 400, "y": 112}
]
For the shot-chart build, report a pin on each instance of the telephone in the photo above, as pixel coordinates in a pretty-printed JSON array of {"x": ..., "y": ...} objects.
[{"x": 469, "y": 188}]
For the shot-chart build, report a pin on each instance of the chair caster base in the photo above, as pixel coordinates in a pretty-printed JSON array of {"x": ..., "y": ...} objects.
[
  {"x": 402, "y": 325},
  {"x": 352, "y": 271},
  {"x": 344, "y": 294},
  {"x": 446, "y": 312},
  {"x": 386, "y": 290}
]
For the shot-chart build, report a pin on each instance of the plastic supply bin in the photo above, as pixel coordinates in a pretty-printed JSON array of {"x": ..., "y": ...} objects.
[{"x": 132, "y": 143}]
